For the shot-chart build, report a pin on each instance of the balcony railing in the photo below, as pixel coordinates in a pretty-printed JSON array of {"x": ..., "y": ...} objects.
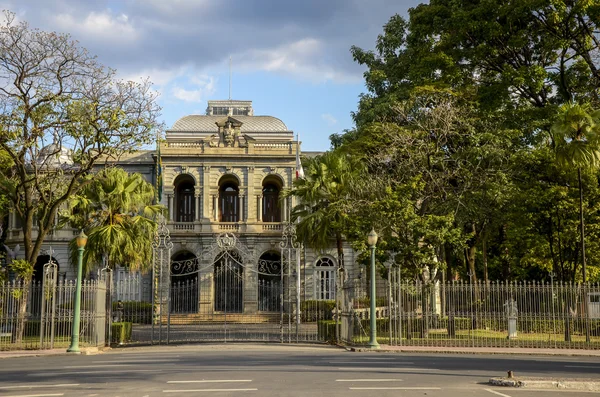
[
  {"x": 272, "y": 227},
  {"x": 183, "y": 225}
]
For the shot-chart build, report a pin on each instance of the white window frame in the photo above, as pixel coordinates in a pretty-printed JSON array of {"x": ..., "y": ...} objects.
[{"x": 325, "y": 278}]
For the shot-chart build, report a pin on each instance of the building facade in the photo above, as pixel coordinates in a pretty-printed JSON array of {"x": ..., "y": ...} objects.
[{"x": 222, "y": 175}]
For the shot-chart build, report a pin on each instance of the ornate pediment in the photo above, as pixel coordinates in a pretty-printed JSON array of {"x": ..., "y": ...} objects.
[{"x": 229, "y": 133}]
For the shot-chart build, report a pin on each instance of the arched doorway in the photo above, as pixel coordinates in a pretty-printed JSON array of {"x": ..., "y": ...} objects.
[
  {"x": 184, "y": 283},
  {"x": 41, "y": 261},
  {"x": 271, "y": 210},
  {"x": 269, "y": 282},
  {"x": 185, "y": 205},
  {"x": 228, "y": 279},
  {"x": 38, "y": 279},
  {"x": 229, "y": 207}
]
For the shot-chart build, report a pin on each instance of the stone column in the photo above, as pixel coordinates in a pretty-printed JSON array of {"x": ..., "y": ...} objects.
[
  {"x": 197, "y": 197},
  {"x": 171, "y": 209},
  {"x": 241, "y": 199},
  {"x": 285, "y": 210},
  {"x": 215, "y": 209},
  {"x": 259, "y": 208}
]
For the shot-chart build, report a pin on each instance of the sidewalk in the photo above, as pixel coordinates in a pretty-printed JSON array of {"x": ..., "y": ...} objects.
[
  {"x": 480, "y": 350},
  {"x": 382, "y": 349},
  {"x": 48, "y": 352}
]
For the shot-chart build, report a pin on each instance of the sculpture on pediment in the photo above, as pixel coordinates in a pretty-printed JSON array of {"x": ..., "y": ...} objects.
[{"x": 228, "y": 134}]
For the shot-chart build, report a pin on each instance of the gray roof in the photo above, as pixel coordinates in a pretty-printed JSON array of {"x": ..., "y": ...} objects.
[{"x": 199, "y": 123}]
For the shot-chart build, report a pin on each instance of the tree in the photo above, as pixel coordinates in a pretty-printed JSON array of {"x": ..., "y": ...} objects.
[
  {"x": 325, "y": 199},
  {"x": 116, "y": 212},
  {"x": 61, "y": 113},
  {"x": 576, "y": 140}
]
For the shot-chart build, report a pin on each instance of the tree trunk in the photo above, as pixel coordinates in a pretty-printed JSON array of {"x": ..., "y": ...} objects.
[
  {"x": 485, "y": 261},
  {"x": 20, "y": 329},
  {"x": 581, "y": 226}
]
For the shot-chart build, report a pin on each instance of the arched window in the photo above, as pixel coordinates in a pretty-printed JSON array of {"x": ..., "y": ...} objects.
[
  {"x": 325, "y": 279},
  {"x": 270, "y": 203},
  {"x": 184, "y": 283},
  {"x": 185, "y": 201},
  {"x": 229, "y": 202},
  {"x": 269, "y": 282}
]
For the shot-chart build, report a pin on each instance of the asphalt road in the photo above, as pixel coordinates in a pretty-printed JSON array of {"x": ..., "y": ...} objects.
[{"x": 279, "y": 370}]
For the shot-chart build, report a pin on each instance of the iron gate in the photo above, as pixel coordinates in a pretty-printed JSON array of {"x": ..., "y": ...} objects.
[{"x": 227, "y": 294}]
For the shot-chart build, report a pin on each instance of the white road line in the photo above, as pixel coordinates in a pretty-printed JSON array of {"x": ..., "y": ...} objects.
[
  {"x": 370, "y": 362},
  {"x": 39, "y": 395},
  {"x": 497, "y": 392},
  {"x": 98, "y": 366},
  {"x": 394, "y": 388},
  {"x": 136, "y": 361},
  {"x": 92, "y": 372},
  {"x": 211, "y": 381},
  {"x": 583, "y": 366},
  {"x": 204, "y": 390},
  {"x": 38, "y": 386},
  {"x": 368, "y": 380},
  {"x": 385, "y": 369}
]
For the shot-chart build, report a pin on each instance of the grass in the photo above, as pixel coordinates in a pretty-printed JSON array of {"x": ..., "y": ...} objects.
[{"x": 487, "y": 338}]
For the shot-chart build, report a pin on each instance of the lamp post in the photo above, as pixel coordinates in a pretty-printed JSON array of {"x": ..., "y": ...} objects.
[
  {"x": 372, "y": 240},
  {"x": 81, "y": 241}
]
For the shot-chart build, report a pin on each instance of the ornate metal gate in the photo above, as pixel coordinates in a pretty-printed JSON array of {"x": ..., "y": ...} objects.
[{"x": 226, "y": 293}]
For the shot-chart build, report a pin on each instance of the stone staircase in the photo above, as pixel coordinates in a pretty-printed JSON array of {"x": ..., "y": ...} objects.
[{"x": 240, "y": 318}]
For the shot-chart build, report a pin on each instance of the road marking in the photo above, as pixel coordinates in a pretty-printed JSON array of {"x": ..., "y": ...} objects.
[
  {"x": 394, "y": 388},
  {"x": 368, "y": 380},
  {"x": 583, "y": 366},
  {"x": 99, "y": 366},
  {"x": 39, "y": 395},
  {"x": 211, "y": 381},
  {"x": 135, "y": 361},
  {"x": 202, "y": 390},
  {"x": 497, "y": 392},
  {"x": 38, "y": 386},
  {"x": 385, "y": 369},
  {"x": 369, "y": 362},
  {"x": 92, "y": 372}
]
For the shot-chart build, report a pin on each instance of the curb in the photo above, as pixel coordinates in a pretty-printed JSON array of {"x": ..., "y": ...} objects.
[
  {"x": 85, "y": 351},
  {"x": 558, "y": 352},
  {"x": 539, "y": 383}
]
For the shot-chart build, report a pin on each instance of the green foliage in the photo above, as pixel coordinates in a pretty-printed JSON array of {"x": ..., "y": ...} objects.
[
  {"x": 22, "y": 268},
  {"x": 133, "y": 311},
  {"x": 117, "y": 213},
  {"x": 121, "y": 332},
  {"x": 326, "y": 330},
  {"x": 313, "y": 310},
  {"x": 462, "y": 101}
]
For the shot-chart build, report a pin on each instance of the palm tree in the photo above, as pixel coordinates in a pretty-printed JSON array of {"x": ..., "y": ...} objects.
[
  {"x": 117, "y": 214},
  {"x": 576, "y": 139},
  {"x": 325, "y": 196}
]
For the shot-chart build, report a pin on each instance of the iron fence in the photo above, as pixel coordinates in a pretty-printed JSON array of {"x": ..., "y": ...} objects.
[
  {"x": 494, "y": 314},
  {"x": 47, "y": 319}
]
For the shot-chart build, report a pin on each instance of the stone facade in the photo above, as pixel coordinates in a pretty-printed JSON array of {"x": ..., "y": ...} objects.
[{"x": 222, "y": 173}]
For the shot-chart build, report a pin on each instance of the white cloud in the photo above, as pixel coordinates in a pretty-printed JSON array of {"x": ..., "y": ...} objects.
[
  {"x": 329, "y": 119},
  {"x": 204, "y": 87},
  {"x": 299, "y": 58},
  {"x": 102, "y": 25}
]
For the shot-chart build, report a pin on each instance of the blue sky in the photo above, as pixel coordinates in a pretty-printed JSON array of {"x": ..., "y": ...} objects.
[{"x": 292, "y": 59}]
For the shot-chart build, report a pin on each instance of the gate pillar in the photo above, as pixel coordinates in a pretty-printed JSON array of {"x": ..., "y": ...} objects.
[
  {"x": 206, "y": 304},
  {"x": 250, "y": 288}
]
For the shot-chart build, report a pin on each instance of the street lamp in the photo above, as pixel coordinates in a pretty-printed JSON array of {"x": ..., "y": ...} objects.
[
  {"x": 81, "y": 240},
  {"x": 372, "y": 240}
]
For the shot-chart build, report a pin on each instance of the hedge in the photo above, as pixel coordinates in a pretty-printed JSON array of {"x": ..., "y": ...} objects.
[
  {"x": 133, "y": 311},
  {"x": 61, "y": 328},
  {"x": 326, "y": 330},
  {"x": 315, "y": 310},
  {"x": 121, "y": 332}
]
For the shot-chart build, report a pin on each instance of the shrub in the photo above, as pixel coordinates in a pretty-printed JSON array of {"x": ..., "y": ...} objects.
[
  {"x": 326, "y": 330},
  {"x": 133, "y": 311},
  {"x": 315, "y": 310},
  {"x": 121, "y": 332}
]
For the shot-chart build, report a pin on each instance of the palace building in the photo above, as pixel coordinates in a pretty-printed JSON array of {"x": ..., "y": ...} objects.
[{"x": 222, "y": 174}]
